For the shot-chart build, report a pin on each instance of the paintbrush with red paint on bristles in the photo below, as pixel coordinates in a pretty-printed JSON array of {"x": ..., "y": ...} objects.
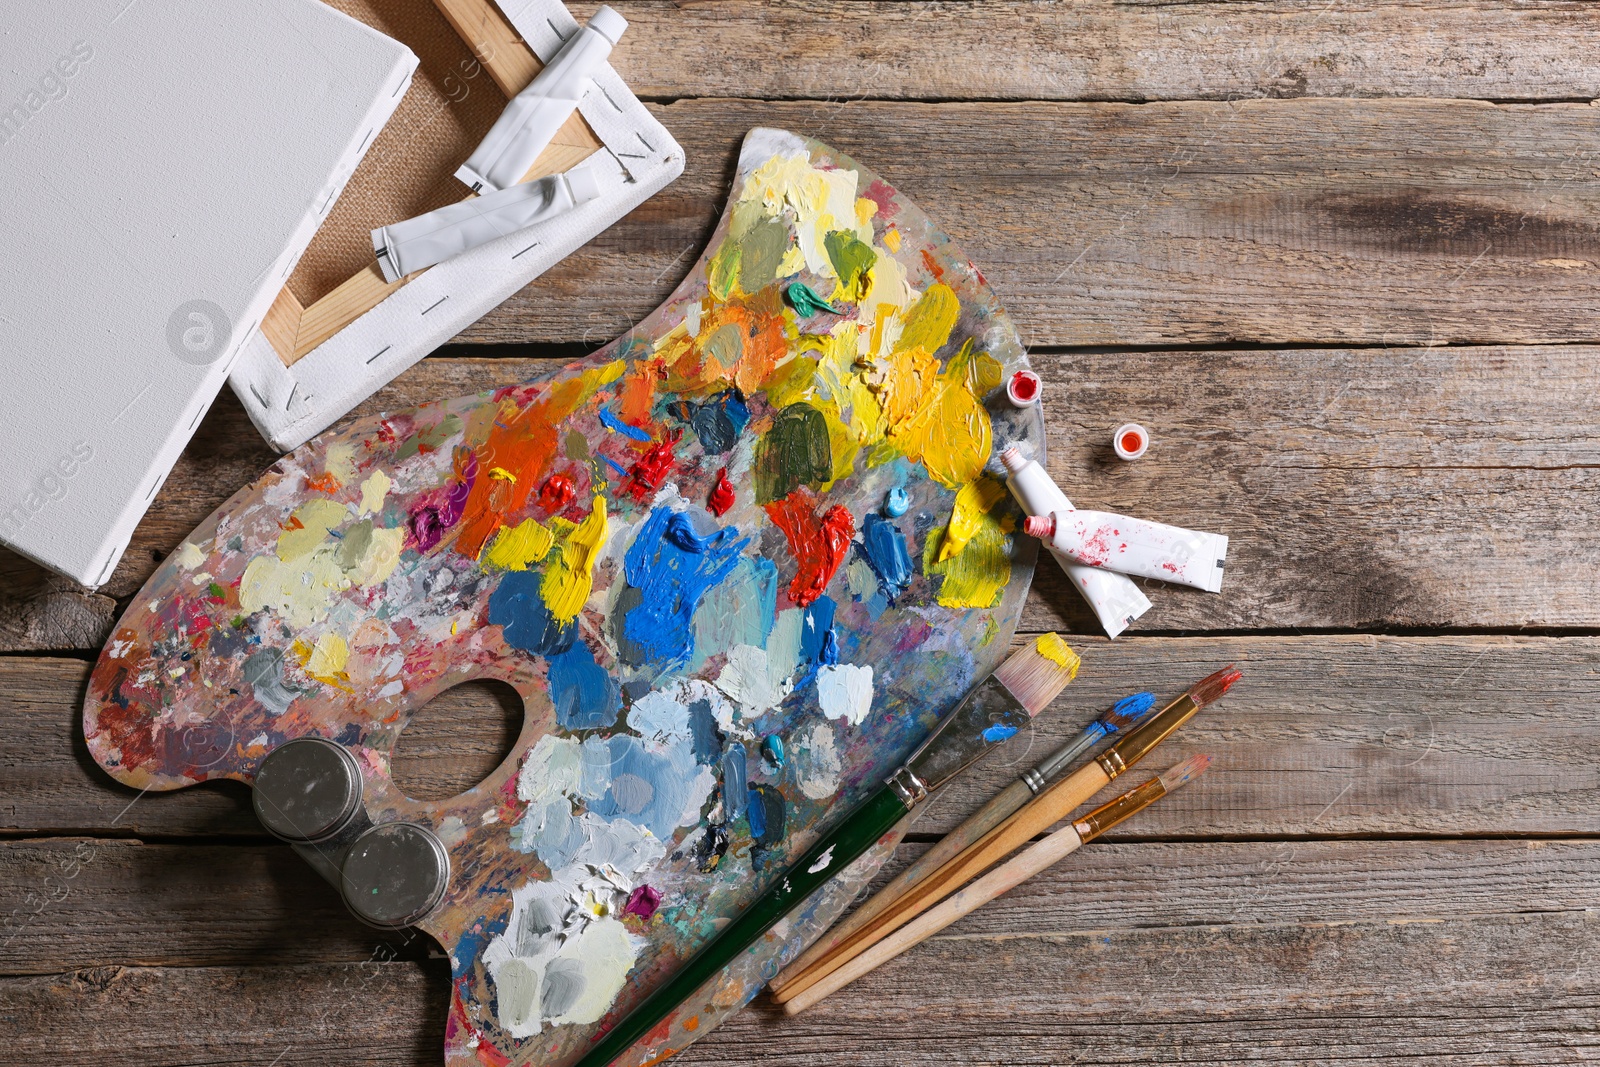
[
  {"x": 1010, "y": 874},
  {"x": 1122, "y": 716},
  {"x": 994, "y": 711},
  {"x": 1045, "y": 810}
]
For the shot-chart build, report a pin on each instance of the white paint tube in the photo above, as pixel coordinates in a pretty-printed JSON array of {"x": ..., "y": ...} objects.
[
  {"x": 534, "y": 115},
  {"x": 1113, "y": 598},
  {"x": 428, "y": 239},
  {"x": 1134, "y": 546}
]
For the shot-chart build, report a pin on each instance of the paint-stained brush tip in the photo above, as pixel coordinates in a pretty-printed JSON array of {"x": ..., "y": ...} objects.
[
  {"x": 1189, "y": 769},
  {"x": 1038, "y": 671},
  {"x": 1212, "y": 686},
  {"x": 1129, "y": 710}
]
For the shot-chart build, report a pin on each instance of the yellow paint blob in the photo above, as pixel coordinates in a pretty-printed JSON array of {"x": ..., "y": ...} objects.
[
  {"x": 1057, "y": 651},
  {"x": 977, "y": 576},
  {"x": 308, "y": 526},
  {"x": 929, "y": 321},
  {"x": 373, "y": 491},
  {"x": 973, "y": 501},
  {"x": 570, "y": 575},
  {"x": 949, "y": 432},
  {"x": 515, "y": 547},
  {"x": 328, "y": 658}
]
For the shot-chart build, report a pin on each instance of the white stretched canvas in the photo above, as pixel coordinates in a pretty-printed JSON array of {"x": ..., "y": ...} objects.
[
  {"x": 163, "y": 164},
  {"x": 290, "y": 404}
]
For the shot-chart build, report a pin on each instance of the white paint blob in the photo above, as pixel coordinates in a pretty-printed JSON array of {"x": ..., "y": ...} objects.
[{"x": 845, "y": 692}]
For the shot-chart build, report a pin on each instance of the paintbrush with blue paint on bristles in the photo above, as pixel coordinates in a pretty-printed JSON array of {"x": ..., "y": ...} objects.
[
  {"x": 1009, "y": 698},
  {"x": 1125, "y": 713}
]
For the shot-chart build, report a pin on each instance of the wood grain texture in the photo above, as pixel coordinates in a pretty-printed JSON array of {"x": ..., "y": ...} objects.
[
  {"x": 1325, "y": 735},
  {"x": 1104, "y": 50},
  {"x": 1503, "y": 988},
  {"x": 1413, "y": 487},
  {"x": 1362, "y": 222},
  {"x": 83, "y": 902}
]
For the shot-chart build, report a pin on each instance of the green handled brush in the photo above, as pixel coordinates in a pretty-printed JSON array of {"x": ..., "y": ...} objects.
[{"x": 989, "y": 715}]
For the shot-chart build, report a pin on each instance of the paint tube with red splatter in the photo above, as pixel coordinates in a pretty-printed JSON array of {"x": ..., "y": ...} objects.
[
  {"x": 1113, "y": 598},
  {"x": 1134, "y": 546}
]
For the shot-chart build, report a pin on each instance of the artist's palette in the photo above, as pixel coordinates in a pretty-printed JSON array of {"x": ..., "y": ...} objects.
[{"x": 736, "y": 563}]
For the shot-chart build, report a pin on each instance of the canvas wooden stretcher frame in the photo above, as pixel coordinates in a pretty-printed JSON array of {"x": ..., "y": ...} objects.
[{"x": 290, "y": 397}]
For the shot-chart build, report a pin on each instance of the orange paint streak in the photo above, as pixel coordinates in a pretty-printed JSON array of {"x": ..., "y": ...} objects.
[
  {"x": 325, "y": 484},
  {"x": 523, "y": 445},
  {"x": 638, "y": 393}
]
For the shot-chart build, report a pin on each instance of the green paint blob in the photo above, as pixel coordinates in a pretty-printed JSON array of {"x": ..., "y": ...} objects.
[
  {"x": 805, "y": 301},
  {"x": 761, "y": 251},
  {"x": 852, "y": 260},
  {"x": 795, "y": 452}
]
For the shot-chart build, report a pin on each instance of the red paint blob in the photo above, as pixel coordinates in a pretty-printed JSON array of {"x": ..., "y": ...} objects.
[
  {"x": 721, "y": 494},
  {"x": 1024, "y": 386},
  {"x": 557, "y": 492},
  {"x": 1131, "y": 442},
  {"x": 646, "y": 476},
  {"x": 819, "y": 544}
]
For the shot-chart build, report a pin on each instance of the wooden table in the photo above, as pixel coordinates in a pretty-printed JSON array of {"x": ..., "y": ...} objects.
[{"x": 1341, "y": 258}]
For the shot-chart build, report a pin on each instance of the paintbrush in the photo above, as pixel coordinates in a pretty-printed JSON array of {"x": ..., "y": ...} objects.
[
  {"x": 794, "y": 979},
  {"x": 1045, "y": 810},
  {"x": 1018, "y": 690},
  {"x": 1010, "y": 874}
]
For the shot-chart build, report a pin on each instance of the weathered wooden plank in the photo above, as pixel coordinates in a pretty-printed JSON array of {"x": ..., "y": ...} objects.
[
  {"x": 1441, "y": 488},
  {"x": 1326, "y": 735},
  {"x": 1505, "y": 988},
  {"x": 1378, "y": 222},
  {"x": 842, "y": 50},
  {"x": 70, "y": 903}
]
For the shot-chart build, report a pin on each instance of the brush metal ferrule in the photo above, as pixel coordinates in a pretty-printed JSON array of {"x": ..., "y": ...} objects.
[
  {"x": 904, "y": 784},
  {"x": 1122, "y": 808},
  {"x": 1033, "y": 780},
  {"x": 985, "y": 718},
  {"x": 1133, "y": 748}
]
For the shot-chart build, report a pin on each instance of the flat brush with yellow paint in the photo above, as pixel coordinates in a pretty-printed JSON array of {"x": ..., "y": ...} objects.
[
  {"x": 1044, "y": 811},
  {"x": 1122, "y": 716},
  {"x": 1010, "y": 874},
  {"x": 994, "y": 711}
]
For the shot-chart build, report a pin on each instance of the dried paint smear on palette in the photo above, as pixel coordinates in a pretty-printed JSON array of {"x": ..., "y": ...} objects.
[{"x": 681, "y": 552}]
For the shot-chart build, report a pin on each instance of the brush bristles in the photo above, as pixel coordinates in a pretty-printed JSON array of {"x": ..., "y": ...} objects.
[
  {"x": 1037, "y": 672},
  {"x": 1189, "y": 769},
  {"x": 1127, "y": 711},
  {"x": 1212, "y": 686}
]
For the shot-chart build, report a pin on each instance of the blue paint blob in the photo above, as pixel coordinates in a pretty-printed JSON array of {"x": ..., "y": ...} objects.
[
  {"x": 998, "y": 732},
  {"x": 526, "y": 623},
  {"x": 830, "y": 648},
  {"x": 883, "y": 546},
  {"x": 717, "y": 422},
  {"x": 672, "y": 567},
  {"x": 1128, "y": 710},
  {"x": 772, "y": 748},
  {"x": 621, "y": 471},
  {"x": 648, "y": 786},
  {"x": 897, "y": 503},
  {"x": 756, "y": 812},
  {"x": 616, "y": 425},
  {"x": 766, "y": 817},
  {"x": 585, "y": 696},
  {"x": 735, "y": 786}
]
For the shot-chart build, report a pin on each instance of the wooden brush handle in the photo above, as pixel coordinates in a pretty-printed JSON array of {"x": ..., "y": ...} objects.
[
  {"x": 1002, "y": 879},
  {"x": 1047, "y": 809},
  {"x": 799, "y": 975}
]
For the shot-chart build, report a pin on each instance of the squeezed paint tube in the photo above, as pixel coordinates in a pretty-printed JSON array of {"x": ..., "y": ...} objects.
[
  {"x": 533, "y": 116},
  {"x": 435, "y": 237},
  {"x": 1134, "y": 546},
  {"x": 1113, "y": 598}
]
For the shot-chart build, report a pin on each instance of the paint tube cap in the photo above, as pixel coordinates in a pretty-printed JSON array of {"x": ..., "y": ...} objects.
[
  {"x": 1023, "y": 388},
  {"x": 584, "y": 184},
  {"x": 394, "y": 874},
  {"x": 307, "y": 790},
  {"x": 1040, "y": 526},
  {"x": 1130, "y": 441},
  {"x": 608, "y": 24}
]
